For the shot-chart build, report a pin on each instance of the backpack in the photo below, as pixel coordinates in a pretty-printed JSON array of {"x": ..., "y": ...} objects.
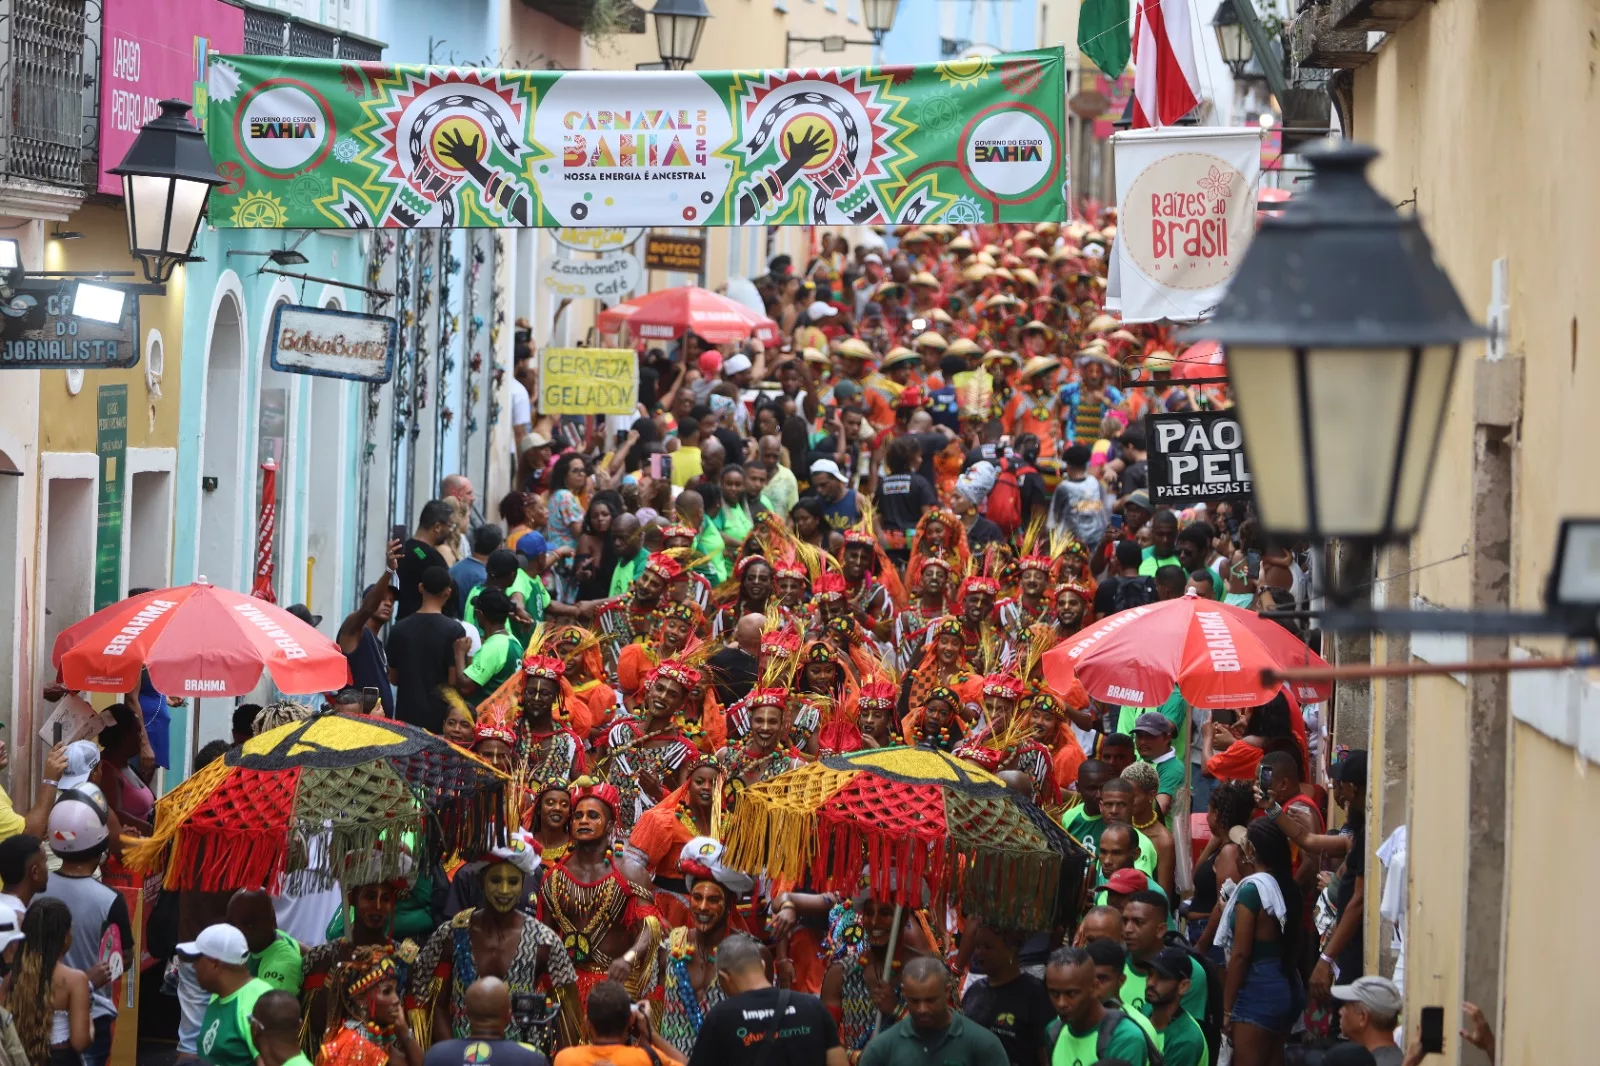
[
  {"x": 1211, "y": 1024},
  {"x": 1132, "y": 592},
  {"x": 1004, "y": 506},
  {"x": 1108, "y": 1025}
]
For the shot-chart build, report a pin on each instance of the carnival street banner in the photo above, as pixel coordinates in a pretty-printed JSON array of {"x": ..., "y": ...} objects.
[
  {"x": 328, "y": 144},
  {"x": 1186, "y": 200}
]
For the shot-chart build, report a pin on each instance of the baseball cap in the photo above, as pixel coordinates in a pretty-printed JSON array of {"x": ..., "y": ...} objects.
[
  {"x": 302, "y": 612},
  {"x": 1139, "y": 498},
  {"x": 222, "y": 942},
  {"x": 531, "y": 545},
  {"x": 1174, "y": 963},
  {"x": 82, "y": 757},
  {"x": 827, "y": 466},
  {"x": 1125, "y": 881},
  {"x": 10, "y": 928},
  {"x": 819, "y": 310},
  {"x": 1378, "y": 994},
  {"x": 872, "y": 257},
  {"x": 736, "y": 364},
  {"x": 1153, "y": 722}
]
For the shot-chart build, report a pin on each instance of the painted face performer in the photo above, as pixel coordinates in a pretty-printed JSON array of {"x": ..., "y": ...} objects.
[
  {"x": 1031, "y": 605},
  {"x": 637, "y": 613},
  {"x": 937, "y": 723},
  {"x": 940, "y": 533},
  {"x": 752, "y": 581},
  {"x": 943, "y": 664},
  {"x": 766, "y": 750},
  {"x": 869, "y": 724},
  {"x": 690, "y": 981},
  {"x": 544, "y": 750},
  {"x": 931, "y": 599},
  {"x": 680, "y": 623},
  {"x": 875, "y": 591},
  {"x": 608, "y": 922},
  {"x": 370, "y": 1027},
  {"x": 500, "y": 940},
  {"x": 693, "y": 810},
  {"x": 592, "y": 699},
  {"x": 853, "y": 988},
  {"x": 649, "y": 755}
]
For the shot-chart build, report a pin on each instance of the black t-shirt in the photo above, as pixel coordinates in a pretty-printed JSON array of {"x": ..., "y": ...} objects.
[
  {"x": 1355, "y": 865},
  {"x": 1034, "y": 499},
  {"x": 901, "y": 500},
  {"x": 983, "y": 533},
  {"x": 733, "y": 672},
  {"x": 733, "y": 1030},
  {"x": 483, "y": 1053},
  {"x": 732, "y": 444},
  {"x": 421, "y": 653},
  {"x": 415, "y": 557},
  {"x": 369, "y": 668},
  {"x": 1018, "y": 1012}
]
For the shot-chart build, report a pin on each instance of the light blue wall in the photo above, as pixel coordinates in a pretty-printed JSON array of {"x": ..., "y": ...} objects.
[
  {"x": 920, "y": 24},
  {"x": 463, "y": 32}
]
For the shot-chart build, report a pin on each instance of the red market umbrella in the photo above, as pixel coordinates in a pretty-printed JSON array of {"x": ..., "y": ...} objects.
[
  {"x": 1212, "y": 652},
  {"x": 197, "y": 640},
  {"x": 1201, "y": 360},
  {"x": 670, "y": 313}
]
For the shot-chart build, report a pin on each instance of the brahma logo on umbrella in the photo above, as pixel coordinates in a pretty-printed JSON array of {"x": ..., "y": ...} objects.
[
  {"x": 138, "y": 624},
  {"x": 291, "y": 647}
]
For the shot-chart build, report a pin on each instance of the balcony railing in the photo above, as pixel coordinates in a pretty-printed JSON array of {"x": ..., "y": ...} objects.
[
  {"x": 269, "y": 33},
  {"x": 41, "y": 91}
]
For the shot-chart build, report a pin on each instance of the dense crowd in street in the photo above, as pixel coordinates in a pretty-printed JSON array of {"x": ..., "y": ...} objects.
[{"x": 864, "y": 537}]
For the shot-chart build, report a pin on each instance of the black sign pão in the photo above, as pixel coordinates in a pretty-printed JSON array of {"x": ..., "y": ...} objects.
[{"x": 1194, "y": 456}]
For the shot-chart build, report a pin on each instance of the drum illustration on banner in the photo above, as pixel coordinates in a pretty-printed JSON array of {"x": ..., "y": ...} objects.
[{"x": 320, "y": 143}]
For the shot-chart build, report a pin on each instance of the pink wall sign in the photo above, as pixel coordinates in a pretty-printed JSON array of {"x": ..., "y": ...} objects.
[{"x": 154, "y": 50}]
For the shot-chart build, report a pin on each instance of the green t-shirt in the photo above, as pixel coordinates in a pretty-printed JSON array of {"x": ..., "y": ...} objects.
[
  {"x": 1183, "y": 1042},
  {"x": 1174, "y": 710},
  {"x": 708, "y": 542},
  {"x": 1082, "y": 1049},
  {"x": 522, "y": 585},
  {"x": 280, "y": 965},
  {"x": 625, "y": 572},
  {"x": 963, "y": 1043},
  {"x": 298, "y": 1060},
  {"x": 1151, "y": 564},
  {"x": 1193, "y": 1001},
  {"x": 498, "y": 658},
  {"x": 225, "y": 1031},
  {"x": 1170, "y": 771},
  {"x": 735, "y": 522},
  {"x": 1084, "y": 826}
]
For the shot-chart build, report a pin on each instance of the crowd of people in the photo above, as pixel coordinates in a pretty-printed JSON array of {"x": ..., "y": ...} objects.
[{"x": 863, "y": 536}]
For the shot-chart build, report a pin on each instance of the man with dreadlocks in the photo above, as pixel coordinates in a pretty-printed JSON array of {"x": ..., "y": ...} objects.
[
  {"x": 370, "y": 1027},
  {"x": 649, "y": 754},
  {"x": 637, "y": 612}
]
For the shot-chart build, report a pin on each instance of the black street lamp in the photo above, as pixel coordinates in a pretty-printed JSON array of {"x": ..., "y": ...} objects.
[
  {"x": 166, "y": 177},
  {"x": 1342, "y": 336},
  {"x": 1232, "y": 38},
  {"x": 679, "y": 24}
]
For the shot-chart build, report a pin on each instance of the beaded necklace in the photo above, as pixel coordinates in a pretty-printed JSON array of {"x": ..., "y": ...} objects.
[{"x": 600, "y": 902}]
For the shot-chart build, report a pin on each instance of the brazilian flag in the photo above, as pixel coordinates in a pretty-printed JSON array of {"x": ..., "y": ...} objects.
[{"x": 1103, "y": 35}]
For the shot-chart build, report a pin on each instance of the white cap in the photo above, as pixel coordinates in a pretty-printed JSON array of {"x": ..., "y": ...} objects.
[
  {"x": 10, "y": 927},
  {"x": 736, "y": 364},
  {"x": 222, "y": 942},
  {"x": 819, "y": 310},
  {"x": 827, "y": 466},
  {"x": 82, "y": 757},
  {"x": 872, "y": 257}
]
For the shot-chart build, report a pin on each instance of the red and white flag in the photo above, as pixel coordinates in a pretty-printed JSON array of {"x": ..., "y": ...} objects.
[
  {"x": 266, "y": 526},
  {"x": 1165, "y": 84}
]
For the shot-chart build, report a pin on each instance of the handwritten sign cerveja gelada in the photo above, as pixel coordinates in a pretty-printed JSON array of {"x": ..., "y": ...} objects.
[{"x": 588, "y": 381}]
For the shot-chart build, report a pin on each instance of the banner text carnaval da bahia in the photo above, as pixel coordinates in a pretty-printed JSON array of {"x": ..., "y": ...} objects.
[{"x": 321, "y": 143}]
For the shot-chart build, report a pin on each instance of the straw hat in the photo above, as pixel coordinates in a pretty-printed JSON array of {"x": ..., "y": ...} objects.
[
  {"x": 916, "y": 236},
  {"x": 995, "y": 355},
  {"x": 1158, "y": 360},
  {"x": 1038, "y": 365},
  {"x": 1103, "y": 323},
  {"x": 1096, "y": 355},
  {"x": 1026, "y": 276},
  {"x": 1036, "y": 327},
  {"x": 962, "y": 243},
  {"x": 986, "y": 258},
  {"x": 962, "y": 346},
  {"x": 898, "y": 356},
  {"x": 924, "y": 279},
  {"x": 932, "y": 340},
  {"x": 1038, "y": 255},
  {"x": 812, "y": 355},
  {"x": 1022, "y": 235},
  {"x": 976, "y": 272},
  {"x": 1123, "y": 335},
  {"x": 1002, "y": 272},
  {"x": 1047, "y": 229},
  {"x": 939, "y": 314},
  {"x": 853, "y": 348}
]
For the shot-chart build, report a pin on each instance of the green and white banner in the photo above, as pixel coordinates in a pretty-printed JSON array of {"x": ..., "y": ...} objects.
[{"x": 321, "y": 143}]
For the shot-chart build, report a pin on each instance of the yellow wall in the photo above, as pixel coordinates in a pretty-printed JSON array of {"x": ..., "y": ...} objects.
[
  {"x": 67, "y": 422},
  {"x": 1499, "y": 167}
]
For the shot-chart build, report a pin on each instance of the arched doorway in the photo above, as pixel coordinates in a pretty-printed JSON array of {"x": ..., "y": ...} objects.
[
  {"x": 330, "y": 531},
  {"x": 222, "y": 489}
]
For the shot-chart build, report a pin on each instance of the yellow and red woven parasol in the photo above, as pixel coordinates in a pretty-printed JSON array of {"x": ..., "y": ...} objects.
[
  {"x": 915, "y": 825},
  {"x": 320, "y": 798}
]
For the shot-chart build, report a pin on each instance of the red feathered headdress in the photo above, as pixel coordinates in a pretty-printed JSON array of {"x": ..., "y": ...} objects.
[{"x": 587, "y": 788}]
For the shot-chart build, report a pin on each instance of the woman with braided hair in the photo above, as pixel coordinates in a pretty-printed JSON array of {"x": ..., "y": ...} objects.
[
  {"x": 49, "y": 1000},
  {"x": 371, "y": 1027}
]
